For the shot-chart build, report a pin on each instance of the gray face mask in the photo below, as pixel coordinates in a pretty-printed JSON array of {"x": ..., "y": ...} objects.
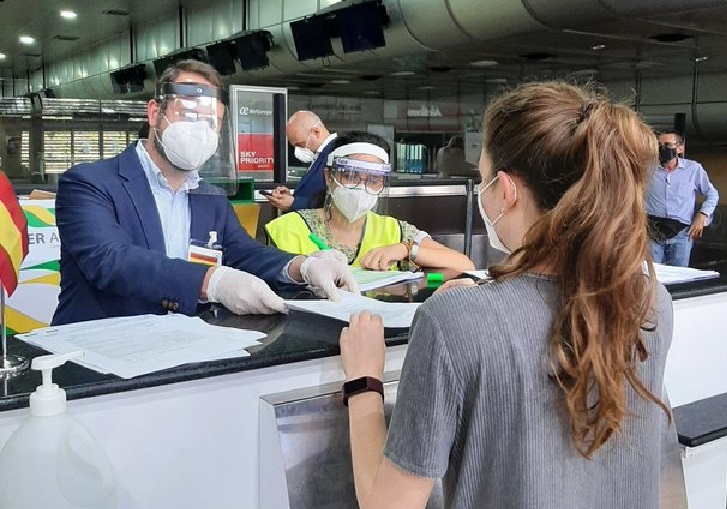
[{"x": 492, "y": 235}]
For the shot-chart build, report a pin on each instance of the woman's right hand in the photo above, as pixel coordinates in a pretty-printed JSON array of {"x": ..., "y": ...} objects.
[{"x": 453, "y": 283}]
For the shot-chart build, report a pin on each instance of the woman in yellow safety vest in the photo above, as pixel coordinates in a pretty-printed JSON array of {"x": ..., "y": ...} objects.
[{"x": 356, "y": 174}]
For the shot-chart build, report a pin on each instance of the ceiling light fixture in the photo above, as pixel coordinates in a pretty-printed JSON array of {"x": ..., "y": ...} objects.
[
  {"x": 403, "y": 73},
  {"x": 701, "y": 59},
  {"x": 2, "y": 56},
  {"x": 340, "y": 82},
  {"x": 598, "y": 47},
  {"x": 26, "y": 39},
  {"x": 484, "y": 63},
  {"x": 68, "y": 14},
  {"x": 427, "y": 87}
]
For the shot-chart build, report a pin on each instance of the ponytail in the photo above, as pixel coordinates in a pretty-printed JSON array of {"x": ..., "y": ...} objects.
[{"x": 586, "y": 162}]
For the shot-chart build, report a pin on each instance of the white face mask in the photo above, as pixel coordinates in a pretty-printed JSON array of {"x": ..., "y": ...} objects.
[
  {"x": 304, "y": 155},
  {"x": 492, "y": 235},
  {"x": 353, "y": 203},
  {"x": 188, "y": 145}
]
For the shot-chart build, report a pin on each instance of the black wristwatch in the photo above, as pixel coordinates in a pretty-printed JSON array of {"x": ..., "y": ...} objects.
[
  {"x": 361, "y": 385},
  {"x": 703, "y": 213}
]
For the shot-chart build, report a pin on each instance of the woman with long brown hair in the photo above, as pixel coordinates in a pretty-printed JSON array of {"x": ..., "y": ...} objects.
[{"x": 542, "y": 387}]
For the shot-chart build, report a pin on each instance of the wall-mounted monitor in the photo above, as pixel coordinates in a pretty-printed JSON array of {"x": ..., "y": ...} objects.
[
  {"x": 222, "y": 57},
  {"x": 161, "y": 64},
  {"x": 361, "y": 27},
  {"x": 252, "y": 50},
  {"x": 129, "y": 79},
  {"x": 312, "y": 37}
]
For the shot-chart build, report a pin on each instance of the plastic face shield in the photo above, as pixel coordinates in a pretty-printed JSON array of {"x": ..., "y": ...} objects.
[
  {"x": 198, "y": 104},
  {"x": 352, "y": 173}
]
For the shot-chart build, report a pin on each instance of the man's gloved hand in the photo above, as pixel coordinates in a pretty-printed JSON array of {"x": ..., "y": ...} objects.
[
  {"x": 325, "y": 276},
  {"x": 242, "y": 293},
  {"x": 331, "y": 254}
]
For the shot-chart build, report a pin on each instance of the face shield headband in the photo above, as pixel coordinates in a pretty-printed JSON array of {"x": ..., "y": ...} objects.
[
  {"x": 190, "y": 90},
  {"x": 361, "y": 148}
]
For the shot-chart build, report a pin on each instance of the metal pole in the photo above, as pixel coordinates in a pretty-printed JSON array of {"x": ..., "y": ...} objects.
[
  {"x": 12, "y": 365},
  {"x": 469, "y": 219}
]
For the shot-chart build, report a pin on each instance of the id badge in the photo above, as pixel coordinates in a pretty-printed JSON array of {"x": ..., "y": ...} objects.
[{"x": 206, "y": 254}]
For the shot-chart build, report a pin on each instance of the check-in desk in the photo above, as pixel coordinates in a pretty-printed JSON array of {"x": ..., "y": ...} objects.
[{"x": 268, "y": 430}]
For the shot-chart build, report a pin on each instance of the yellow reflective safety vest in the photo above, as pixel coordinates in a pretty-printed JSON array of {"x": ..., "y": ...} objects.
[{"x": 290, "y": 233}]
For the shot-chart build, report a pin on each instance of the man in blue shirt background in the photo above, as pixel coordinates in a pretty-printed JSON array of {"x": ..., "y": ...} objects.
[
  {"x": 311, "y": 140},
  {"x": 671, "y": 199}
]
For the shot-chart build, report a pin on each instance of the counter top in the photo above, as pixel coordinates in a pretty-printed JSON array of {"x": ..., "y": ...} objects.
[
  {"x": 295, "y": 337},
  {"x": 704, "y": 287}
]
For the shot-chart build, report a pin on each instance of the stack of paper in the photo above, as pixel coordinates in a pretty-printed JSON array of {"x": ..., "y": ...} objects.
[
  {"x": 136, "y": 345},
  {"x": 394, "y": 314},
  {"x": 372, "y": 279},
  {"x": 668, "y": 275}
]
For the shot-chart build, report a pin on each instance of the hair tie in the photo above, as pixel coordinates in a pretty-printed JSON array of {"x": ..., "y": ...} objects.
[{"x": 587, "y": 108}]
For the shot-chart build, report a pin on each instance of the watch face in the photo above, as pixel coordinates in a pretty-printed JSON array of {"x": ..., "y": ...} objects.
[{"x": 356, "y": 385}]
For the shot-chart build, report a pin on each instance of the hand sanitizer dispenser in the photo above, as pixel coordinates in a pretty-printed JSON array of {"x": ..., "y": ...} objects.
[{"x": 52, "y": 460}]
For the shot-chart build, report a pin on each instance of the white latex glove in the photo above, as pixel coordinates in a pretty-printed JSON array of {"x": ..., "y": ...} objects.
[
  {"x": 331, "y": 254},
  {"x": 242, "y": 293},
  {"x": 325, "y": 276}
]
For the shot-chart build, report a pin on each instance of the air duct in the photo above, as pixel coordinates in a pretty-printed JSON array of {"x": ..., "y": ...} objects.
[
  {"x": 701, "y": 97},
  {"x": 437, "y": 25}
]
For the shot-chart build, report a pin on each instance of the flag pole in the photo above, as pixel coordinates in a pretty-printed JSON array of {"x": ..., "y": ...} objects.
[{"x": 12, "y": 365}]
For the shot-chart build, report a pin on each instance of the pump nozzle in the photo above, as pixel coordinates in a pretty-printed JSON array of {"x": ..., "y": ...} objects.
[{"x": 49, "y": 399}]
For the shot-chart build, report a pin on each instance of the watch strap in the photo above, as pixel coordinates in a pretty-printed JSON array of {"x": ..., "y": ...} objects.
[{"x": 361, "y": 385}]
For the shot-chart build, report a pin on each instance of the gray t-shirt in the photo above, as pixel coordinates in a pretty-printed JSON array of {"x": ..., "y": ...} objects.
[{"x": 475, "y": 406}]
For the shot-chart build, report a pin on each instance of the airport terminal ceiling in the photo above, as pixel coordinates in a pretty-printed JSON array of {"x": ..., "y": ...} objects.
[{"x": 434, "y": 48}]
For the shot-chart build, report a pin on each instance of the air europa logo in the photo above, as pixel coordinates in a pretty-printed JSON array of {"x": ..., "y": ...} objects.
[{"x": 39, "y": 217}]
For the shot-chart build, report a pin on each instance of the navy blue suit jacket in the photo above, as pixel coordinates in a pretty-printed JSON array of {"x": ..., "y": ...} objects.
[
  {"x": 113, "y": 259},
  {"x": 313, "y": 184}
]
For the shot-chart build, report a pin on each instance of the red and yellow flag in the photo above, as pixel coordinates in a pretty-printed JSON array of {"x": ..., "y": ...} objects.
[{"x": 13, "y": 235}]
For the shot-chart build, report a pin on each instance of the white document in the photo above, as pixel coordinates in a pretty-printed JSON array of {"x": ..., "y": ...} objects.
[
  {"x": 482, "y": 274},
  {"x": 372, "y": 279},
  {"x": 136, "y": 345},
  {"x": 394, "y": 314},
  {"x": 667, "y": 275}
]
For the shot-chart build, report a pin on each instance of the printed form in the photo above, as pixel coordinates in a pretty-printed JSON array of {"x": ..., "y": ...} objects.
[
  {"x": 372, "y": 279},
  {"x": 397, "y": 315},
  {"x": 136, "y": 345}
]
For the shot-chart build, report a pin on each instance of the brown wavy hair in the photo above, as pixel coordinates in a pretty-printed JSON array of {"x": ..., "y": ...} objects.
[{"x": 586, "y": 162}]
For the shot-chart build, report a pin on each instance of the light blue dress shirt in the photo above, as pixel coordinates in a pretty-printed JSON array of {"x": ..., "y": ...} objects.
[
  {"x": 173, "y": 208},
  {"x": 673, "y": 194},
  {"x": 174, "y": 211}
]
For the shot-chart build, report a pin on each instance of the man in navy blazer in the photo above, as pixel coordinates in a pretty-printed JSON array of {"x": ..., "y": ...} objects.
[
  {"x": 312, "y": 142},
  {"x": 126, "y": 223}
]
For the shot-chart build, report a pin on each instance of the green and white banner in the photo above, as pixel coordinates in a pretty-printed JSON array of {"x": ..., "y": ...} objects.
[{"x": 33, "y": 303}]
